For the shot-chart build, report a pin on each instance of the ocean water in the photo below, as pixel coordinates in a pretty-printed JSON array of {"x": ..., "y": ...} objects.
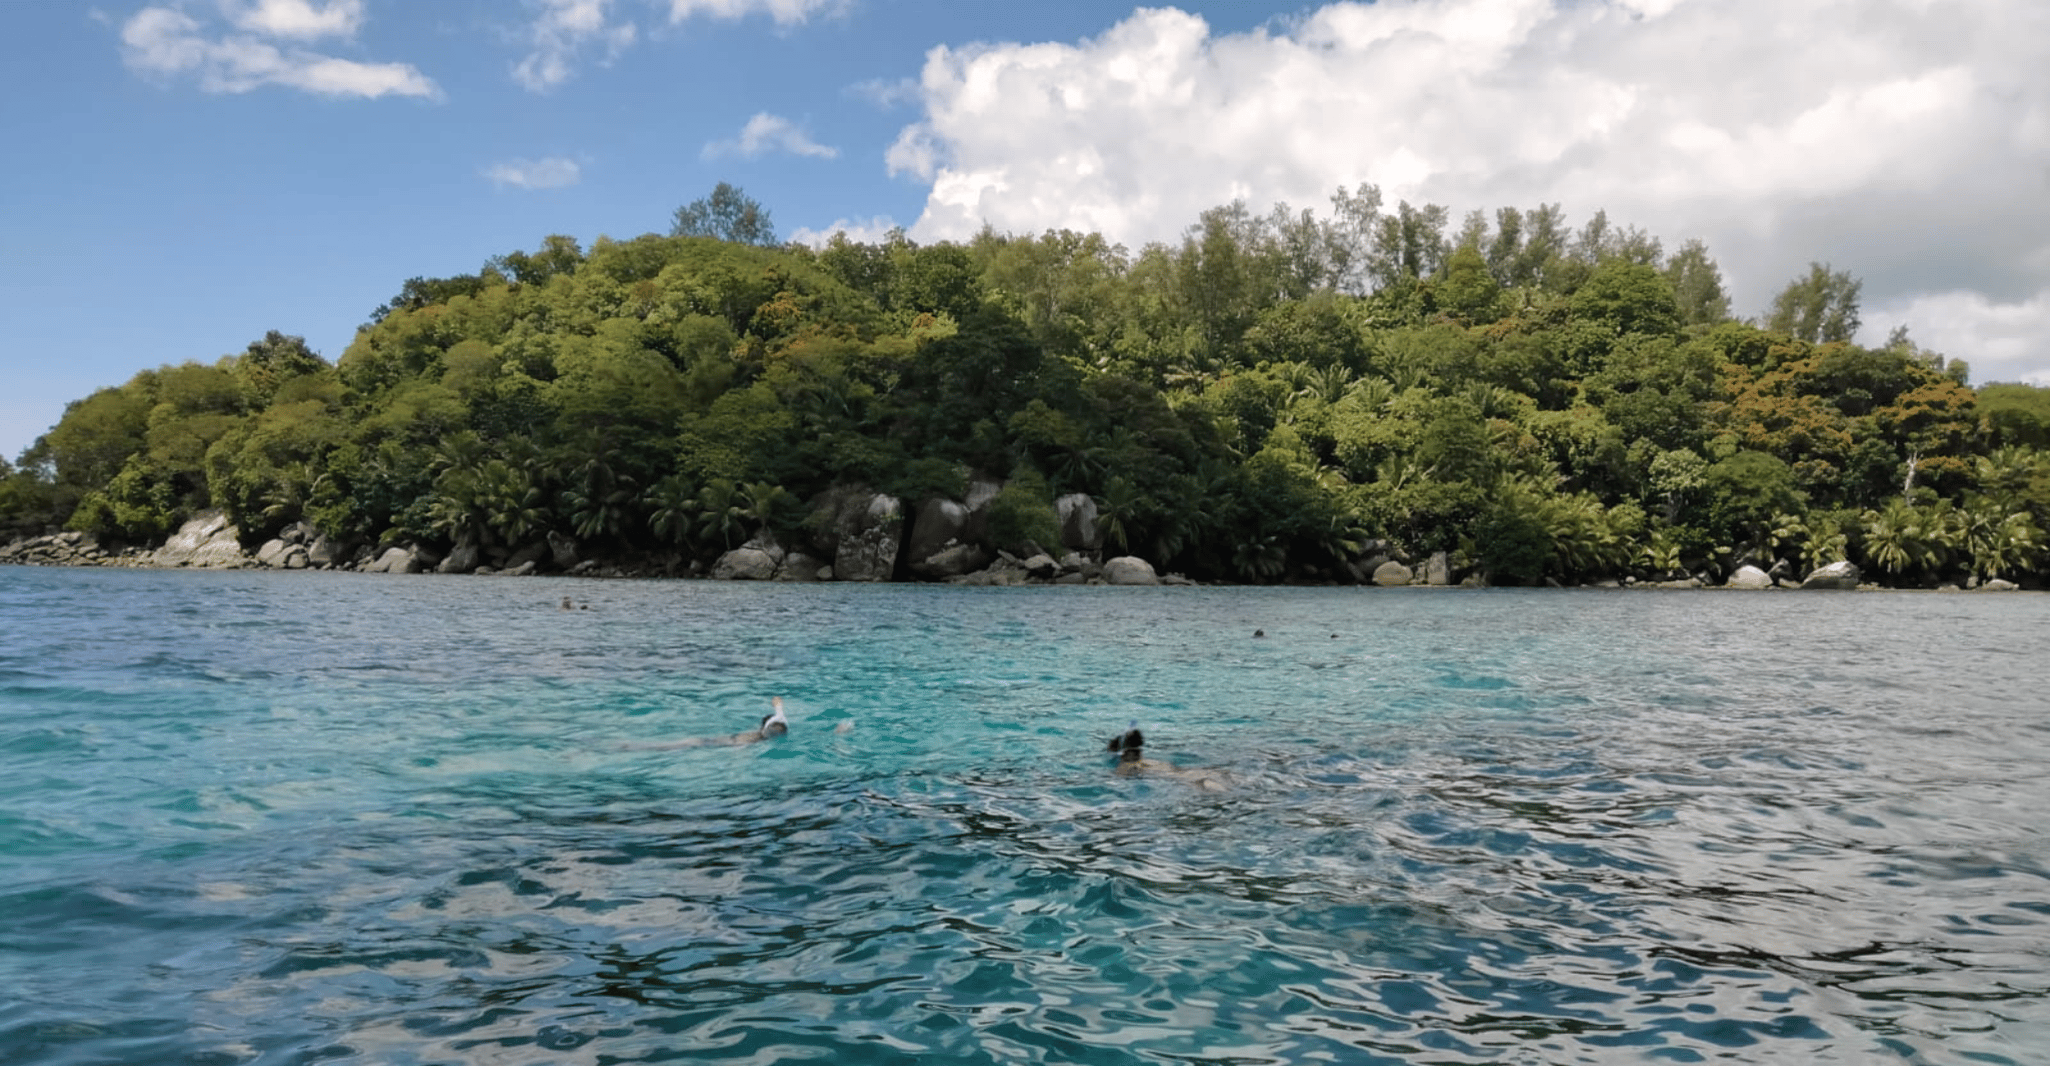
[{"x": 333, "y": 818}]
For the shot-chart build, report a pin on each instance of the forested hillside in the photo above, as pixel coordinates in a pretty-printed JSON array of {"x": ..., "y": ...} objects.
[{"x": 1254, "y": 404}]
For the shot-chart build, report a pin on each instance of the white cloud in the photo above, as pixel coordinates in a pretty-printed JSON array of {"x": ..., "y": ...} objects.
[
  {"x": 1909, "y": 145},
  {"x": 564, "y": 29},
  {"x": 887, "y": 92},
  {"x": 766, "y": 133},
  {"x": 870, "y": 231},
  {"x": 296, "y": 18},
  {"x": 169, "y": 43},
  {"x": 2001, "y": 341},
  {"x": 785, "y": 12},
  {"x": 554, "y": 172}
]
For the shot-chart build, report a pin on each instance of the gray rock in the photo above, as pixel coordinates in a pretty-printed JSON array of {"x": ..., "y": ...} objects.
[
  {"x": 982, "y": 492},
  {"x": 562, "y": 550},
  {"x": 295, "y": 558},
  {"x": 940, "y": 522},
  {"x": 524, "y": 569},
  {"x": 1076, "y": 513},
  {"x": 797, "y": 566},
  {"x": 529, "y": 557},
  {"x": 1837, "y": 575},
  {"x": 462, "y": 559},
  {"x": 835, "y": 513},
  {"x": 1366, "y": 566},
  {"x": 323, "y": 551},
  {"x": 1438, "y": 569},
  {"x": 766, "y": 543},
  {"x": 951, "y": 561},
  {"x": 1392, "y": 573},
  {"x": 207, "y": 541},
  {"x": 272, "y": 553},
  {"x": 1749, "y": 577},
  {"x": 395, "y": 560},
  {"x": 1041, "y": 567},
  {"x": 744, "y": 564},
  {"x": 1176, "y": 579},
  {"x": 1129, "y": 570},
  {"x": 869, "y": 542},
  {"x": 1998, "y": 585},
  {"x": 1005, "y": 576}
]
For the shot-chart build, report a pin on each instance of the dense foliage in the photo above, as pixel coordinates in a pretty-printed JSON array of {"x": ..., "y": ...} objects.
[{"x": 1256, "y": 403}]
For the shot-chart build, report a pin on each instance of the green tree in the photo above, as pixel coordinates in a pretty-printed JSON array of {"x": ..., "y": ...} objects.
[
  {"x": 728, "y": 214},
  {"x": 1697, "y": 285},
  {"x": 1628, "y": 298},
  {"x": 1820, "y": 307}
]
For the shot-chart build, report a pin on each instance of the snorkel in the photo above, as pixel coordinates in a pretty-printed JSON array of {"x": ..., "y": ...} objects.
[{"x": 773, "y": 723}]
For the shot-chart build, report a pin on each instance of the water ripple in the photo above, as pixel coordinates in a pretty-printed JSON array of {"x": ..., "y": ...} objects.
[{"x": 247, "y": 819}]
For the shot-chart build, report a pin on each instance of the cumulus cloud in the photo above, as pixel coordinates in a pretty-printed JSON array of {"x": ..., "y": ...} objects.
[
  {"x": 1909, "y": 144},
  {"x": 296, "y": 18},
  {"x": 563, "y": 31},
  {"x": 785, "y": 12},
  {"x": 169, "y": 43},
  {"x": 874, "y": 230},
  {"x": 766, "y": 133},
  {"x": 554, "y": 172}
]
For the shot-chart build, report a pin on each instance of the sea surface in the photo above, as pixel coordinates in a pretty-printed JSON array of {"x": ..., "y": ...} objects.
[{"x": 334, "y": 818}]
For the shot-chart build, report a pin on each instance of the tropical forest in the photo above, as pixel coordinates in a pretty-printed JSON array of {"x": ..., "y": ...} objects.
[{"x": 1544, "y": 400}]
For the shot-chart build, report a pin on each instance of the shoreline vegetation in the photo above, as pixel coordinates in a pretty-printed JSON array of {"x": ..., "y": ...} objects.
[{"x": 1368, "y": 395}]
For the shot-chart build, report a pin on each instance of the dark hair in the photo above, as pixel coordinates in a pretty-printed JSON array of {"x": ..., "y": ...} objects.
[{"x": 1128, "y": 744}]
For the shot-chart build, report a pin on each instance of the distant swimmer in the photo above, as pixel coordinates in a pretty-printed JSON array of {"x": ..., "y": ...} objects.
[
  {"x": 773, "y": 725},
  {"x": 1132, "y": 762}
]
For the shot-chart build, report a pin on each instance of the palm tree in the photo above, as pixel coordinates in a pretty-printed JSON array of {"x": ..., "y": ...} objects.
[
  {"x": 1118, "y": 511},
  {"x": 672, "y": 509},
  {"x": 1663, "y": 555},
  {"x": 511, "y": 502},
  {"x": 722, "y": 512},
  {"x": 460, "y": 452},
  {"x": 1824, "y": 543},
  {"x": 1260, "y": 557},
  {"x": 1889, "y": 537},
  {"x": 763, "y": 503},
  {"x": 2000, "y": 544}
]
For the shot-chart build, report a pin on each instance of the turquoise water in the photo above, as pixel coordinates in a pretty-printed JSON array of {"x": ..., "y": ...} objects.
[{"x": 298, "y": 818}]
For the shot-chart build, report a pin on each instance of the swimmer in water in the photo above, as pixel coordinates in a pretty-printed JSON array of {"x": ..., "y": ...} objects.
[
  {"x": 1132, "y": 762},
  {"x": 773, "y": 725}
]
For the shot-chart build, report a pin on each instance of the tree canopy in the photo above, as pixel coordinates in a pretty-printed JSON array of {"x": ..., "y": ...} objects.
[{"x": 1272, "y": 397}]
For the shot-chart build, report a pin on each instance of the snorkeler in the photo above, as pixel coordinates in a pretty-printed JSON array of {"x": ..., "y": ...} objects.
[
  {"x": 1132, "y": 762},
  {"x": 773, "y": 725}
]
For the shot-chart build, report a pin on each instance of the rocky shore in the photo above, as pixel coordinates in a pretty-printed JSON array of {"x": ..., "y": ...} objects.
[{"x": 852, "y": 535}]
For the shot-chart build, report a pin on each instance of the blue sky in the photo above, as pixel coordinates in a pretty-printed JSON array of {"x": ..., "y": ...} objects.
[{"x": 185, "y": 175}]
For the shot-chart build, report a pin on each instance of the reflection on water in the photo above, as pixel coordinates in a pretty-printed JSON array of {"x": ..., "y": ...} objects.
[{"x": 1485, "y": 828}]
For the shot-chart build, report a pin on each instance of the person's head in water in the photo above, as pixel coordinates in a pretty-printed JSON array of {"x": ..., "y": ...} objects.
[
  {"x": 1128, "y": 744},
  {"x": 773, "y": 723}
]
